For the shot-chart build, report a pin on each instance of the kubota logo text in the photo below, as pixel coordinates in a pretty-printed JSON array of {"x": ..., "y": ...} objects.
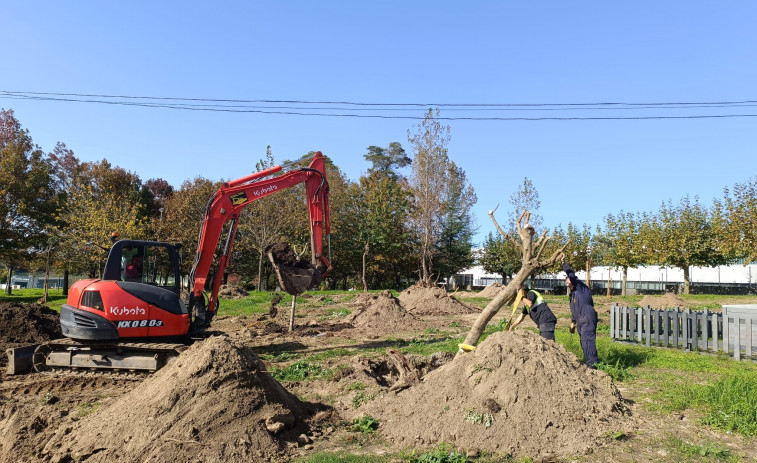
[
  {"x": 265, "y": 190},
  {"x": 128, "y": 311}
]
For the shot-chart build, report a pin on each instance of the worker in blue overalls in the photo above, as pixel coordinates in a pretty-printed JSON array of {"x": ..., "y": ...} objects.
[
  {"x": 535, "y": 306},
  {"x": 583, "y": 315}
]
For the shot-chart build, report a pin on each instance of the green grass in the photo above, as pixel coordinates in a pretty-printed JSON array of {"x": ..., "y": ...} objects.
[
  {"x": 342, "y": 457},
  {"x": 86, "y": 408},
  {"x": 300, "y": 371},
  {"x": 443, "y": 453},
  {"x": 331, "y": 353},
  {"x": 731, "y": 403},
  {"x": 706, "y": 451},
  {"x": 55, "y": 297}
]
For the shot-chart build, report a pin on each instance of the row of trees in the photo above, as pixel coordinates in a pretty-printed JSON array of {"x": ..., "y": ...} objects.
[
  {"x": 388, "y": 229},
  {"x": 680, "y": 235}
]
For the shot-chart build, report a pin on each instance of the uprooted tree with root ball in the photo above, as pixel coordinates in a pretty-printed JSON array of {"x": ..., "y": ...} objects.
[{"x": 532, "y": 261}]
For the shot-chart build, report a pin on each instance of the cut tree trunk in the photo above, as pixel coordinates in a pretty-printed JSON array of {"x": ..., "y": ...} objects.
[{"x": 532, "y": 261}]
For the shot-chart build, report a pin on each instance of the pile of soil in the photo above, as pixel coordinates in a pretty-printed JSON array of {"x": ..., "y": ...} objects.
[
  {"x": 515, "y": 394},
  {"x": 432, "y": 301},
  {"x": 214, "y": 403},
  {"x": 380, "y": 312},
  {"x": 233, "y": 292},
  {"x": 491, "y": 290},
  {"x": 668, "y": 301},
  {"x": 26, "y": 324}
]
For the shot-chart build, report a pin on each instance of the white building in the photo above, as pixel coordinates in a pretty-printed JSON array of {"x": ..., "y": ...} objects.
[{"x": 652, "y": 278}]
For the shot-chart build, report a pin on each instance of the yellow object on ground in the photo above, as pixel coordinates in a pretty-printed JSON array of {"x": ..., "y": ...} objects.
[{"x": 466, "y": 347}]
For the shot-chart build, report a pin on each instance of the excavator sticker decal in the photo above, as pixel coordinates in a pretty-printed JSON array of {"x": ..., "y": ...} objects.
[
  {"x": 139, "y": 323},
  {"x": 238, "y": 198},
  {"x": 128, "y": 311}
]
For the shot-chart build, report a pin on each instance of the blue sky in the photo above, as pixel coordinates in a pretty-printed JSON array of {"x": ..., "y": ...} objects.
[{"x": 426, "y": 52}]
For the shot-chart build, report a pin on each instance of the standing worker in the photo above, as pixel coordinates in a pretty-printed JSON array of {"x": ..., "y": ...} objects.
[
  {"x": 583, "y": 315},
  {"x": 535, "y": 306}
]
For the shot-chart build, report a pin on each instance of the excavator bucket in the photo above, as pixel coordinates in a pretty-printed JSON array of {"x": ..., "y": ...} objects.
[{"x": 295, "y": 275}]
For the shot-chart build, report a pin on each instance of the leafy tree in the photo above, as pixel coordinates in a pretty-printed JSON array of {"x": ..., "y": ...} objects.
[
  {"x": 432, "y": 181},
  {"x": 623, "y": 232},
  {"x": 735, "y": 221},
  {"x": 28, "y": 197},
  {"x": 346, "y": 245},
  {"x": 684, "y": 237},
  {"x": 581, "y": 248},
  {"x": 455, "y": 246},
  {"x": 382, "y": 223},
  {"x": 90, "y": 221},
  {"x": 184, "y": 212},
  {"x": 526, "y": 198},
  {"x": 386, "y": 160},
  {"x": 155, "y": 193},
  {"x": 500, "y": 256}
]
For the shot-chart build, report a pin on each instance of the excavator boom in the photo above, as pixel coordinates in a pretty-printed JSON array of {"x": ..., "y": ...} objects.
[{"x": 226, "y": 205}]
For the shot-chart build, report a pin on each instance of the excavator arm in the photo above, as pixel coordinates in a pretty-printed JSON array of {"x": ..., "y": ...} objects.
[{"x": 226, "y": 205}]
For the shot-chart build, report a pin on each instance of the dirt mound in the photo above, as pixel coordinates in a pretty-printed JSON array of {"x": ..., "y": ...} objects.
[
  {"x": 516, "y": 394},
  {"x": 379, "y": 311},
  {"x": 432, "y": 301},
  {"x": 668, "y": 301},
  {"x": 491, "y": 290},
  {"x": 26, "y": 324},
  {"x": 233, "y": 292},
  {"x": 213, "y": 403}
]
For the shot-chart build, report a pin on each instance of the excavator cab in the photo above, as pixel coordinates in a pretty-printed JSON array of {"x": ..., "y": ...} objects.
[{"x": 148, "y": 262}]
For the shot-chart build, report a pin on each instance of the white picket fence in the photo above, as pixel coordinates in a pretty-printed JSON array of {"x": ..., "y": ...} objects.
[{"x": 732, "y": 331}]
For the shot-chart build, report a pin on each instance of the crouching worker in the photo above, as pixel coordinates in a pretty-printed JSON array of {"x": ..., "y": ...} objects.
[{"x": 535, "y": 306}]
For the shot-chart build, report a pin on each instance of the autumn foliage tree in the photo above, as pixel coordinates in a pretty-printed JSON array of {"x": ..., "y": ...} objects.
[
  {"x": 29, "y": 198},
  {"x": 683, "y": 236},
  {"x": 735, "y": 221}
]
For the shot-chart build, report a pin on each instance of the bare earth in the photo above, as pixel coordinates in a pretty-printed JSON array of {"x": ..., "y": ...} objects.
[{"x": 515, "y": 394}]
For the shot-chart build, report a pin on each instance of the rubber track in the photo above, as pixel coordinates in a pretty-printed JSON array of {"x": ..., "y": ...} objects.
[{"x": 171, "y": 350}]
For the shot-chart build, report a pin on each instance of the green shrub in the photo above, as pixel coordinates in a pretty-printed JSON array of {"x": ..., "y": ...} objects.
[{"x": 364, "y": 424}]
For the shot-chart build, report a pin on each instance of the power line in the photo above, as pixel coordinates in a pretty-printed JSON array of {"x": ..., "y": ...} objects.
[{"x": 306, "y": 108}]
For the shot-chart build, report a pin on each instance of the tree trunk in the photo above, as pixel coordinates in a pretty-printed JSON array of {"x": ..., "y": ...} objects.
[
  {"x": 365, "y": 253},
  {"x": 609, "y": 282},
  {"x": 686, "y": 279},
  {"x": 260, "y": 271},
  {"x": 65, "y": 281},
  {"x": 588, "y": 274},
  {"x": 47, "y": 278},
  {"x": 625, "y": 281},
  {"x": 10, "y": 275}
]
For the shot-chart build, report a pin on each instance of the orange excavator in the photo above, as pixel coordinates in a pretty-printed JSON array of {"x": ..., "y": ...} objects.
[{"x": 132, "y": 318}]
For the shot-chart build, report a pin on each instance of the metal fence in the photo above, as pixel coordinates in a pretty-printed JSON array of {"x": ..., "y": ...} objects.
[{"x": 731, "y": 332}]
